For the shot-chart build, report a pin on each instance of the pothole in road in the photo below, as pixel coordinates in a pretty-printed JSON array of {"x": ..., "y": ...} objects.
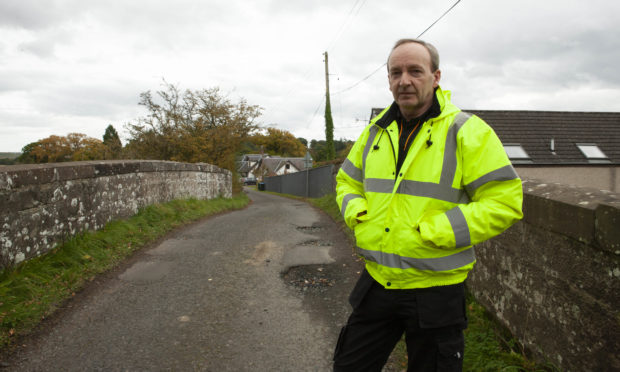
[
  {"x": 308, "y": 278},
  {"x": 310, "y": 228}
]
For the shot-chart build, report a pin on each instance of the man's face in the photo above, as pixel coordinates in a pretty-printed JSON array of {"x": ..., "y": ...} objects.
[{"x": 411, "y": 80}]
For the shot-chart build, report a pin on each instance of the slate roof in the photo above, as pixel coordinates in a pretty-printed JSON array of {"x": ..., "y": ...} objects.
[
  {"x": 534, "y": 130},
  {"x": 274, "y": 163},
  {"x": 244, "y": 167},
  {"x": 251, "y": 157},
  {"x": 247, "y": 162}
]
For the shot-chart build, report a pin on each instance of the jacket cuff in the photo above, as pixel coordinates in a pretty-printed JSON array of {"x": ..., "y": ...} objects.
[{"x": 353, "y": 208}]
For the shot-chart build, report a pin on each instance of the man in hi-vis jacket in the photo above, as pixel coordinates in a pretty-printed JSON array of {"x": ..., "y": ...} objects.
[{"x": 422, "y": 184}]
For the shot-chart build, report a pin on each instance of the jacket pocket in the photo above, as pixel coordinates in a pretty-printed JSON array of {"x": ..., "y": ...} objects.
[{"x": 361, "y": 233}]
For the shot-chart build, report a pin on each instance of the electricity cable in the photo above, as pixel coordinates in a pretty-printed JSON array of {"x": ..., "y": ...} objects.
[
  {"x": 315, "y": 111},
  {"x": 384, "y": 64},
  {"x": 348, "y": 20}
]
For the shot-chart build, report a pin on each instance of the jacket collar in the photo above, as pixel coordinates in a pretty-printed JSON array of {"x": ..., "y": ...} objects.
[{"x": 440, "y": 99}]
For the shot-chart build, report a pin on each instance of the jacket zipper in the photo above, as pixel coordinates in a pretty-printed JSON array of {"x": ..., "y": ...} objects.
[{"x": 394, "y": 155}]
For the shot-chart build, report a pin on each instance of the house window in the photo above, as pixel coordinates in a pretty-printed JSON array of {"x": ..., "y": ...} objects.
[
  {"x": 516, "y": 153},
  {"x": 287, "y": 166},
  {"x": 591, "y": 151}
]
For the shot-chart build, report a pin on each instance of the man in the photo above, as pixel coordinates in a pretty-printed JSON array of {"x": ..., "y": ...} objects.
[{"x": 422, "y": 184}]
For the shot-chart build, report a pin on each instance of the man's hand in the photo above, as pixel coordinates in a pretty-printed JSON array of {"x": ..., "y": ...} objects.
[{"x": 360, "y": 214}]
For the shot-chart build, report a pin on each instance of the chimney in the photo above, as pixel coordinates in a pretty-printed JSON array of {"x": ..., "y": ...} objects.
[{"x": 552, "y": 146}]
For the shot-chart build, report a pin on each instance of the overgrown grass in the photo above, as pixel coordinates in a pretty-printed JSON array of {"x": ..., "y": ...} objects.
[
  {"x": 488, "y": 347},
  {"x": 34, "y": 289}
]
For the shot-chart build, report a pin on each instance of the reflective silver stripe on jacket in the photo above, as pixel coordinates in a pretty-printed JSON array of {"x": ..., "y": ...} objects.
[
  {"x": 372, "y": 133},
  {"x": 433, "y": 190},
  {"x": 448, "y": 169},
  {"x": 347, "y": 198},
  {"x": 445, "y": 263},
  {"x": 378, "y": 185},
  {"x": 351, "y": 170},
  {"x": 505, "y": 173},
  {"x": 459, "y": 226}
]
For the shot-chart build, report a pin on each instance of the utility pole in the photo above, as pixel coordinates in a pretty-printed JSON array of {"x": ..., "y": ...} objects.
[{"x": 329, "y": 123}]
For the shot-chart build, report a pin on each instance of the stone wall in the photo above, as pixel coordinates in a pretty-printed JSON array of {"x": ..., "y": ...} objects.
[
  {"x": 553, "y": 278},
  {"x": 40, "y": 205},
  {"x": 598, "y": 176}
]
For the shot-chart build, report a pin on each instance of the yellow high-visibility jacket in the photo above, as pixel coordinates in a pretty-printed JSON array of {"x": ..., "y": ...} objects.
[{"x": 456, "y": 188}]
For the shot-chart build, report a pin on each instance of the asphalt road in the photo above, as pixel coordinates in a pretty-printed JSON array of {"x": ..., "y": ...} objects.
[{"x": 260, "y": 289}]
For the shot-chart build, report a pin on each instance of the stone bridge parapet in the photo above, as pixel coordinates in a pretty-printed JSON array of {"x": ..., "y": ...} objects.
[
  {"x": 42, "y": 204},
  {"x": 554, "y": 278}
]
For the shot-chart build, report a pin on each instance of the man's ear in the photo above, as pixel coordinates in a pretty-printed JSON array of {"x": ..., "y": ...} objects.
[{"x": 437, "y": 76}]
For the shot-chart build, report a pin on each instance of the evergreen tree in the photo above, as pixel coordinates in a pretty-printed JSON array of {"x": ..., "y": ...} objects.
[{"x": 112, "y": 142}]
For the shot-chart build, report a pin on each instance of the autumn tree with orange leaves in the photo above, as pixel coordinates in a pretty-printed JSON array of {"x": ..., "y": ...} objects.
[
  {"x": 279, "y": 142},
  {"x": 55, "y": 149}
]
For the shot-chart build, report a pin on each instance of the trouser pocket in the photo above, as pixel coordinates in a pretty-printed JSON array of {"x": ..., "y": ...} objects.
[
  {"x": 440, "y": 307},
  {"x": 450, "y": 353}
]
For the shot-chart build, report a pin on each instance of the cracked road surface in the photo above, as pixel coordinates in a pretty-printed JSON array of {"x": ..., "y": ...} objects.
[{"x": 261, "y": 289}]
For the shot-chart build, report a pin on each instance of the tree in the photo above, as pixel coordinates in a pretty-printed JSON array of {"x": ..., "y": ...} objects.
[
  {"x": 279, "y": 142},
  {"x": 28, "y": 156},
  {"x": 192, "y": 126},
  {"x": 55, "y": 149},
  {"x": 112, "y": 142},
  {"x": 319, "y": 152},
  {"x": 88, "y": 148},
  {"x": 303, "y": 141}
]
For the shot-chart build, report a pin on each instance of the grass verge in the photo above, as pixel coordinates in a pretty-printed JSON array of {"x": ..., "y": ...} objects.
[
  {"x": 34, "y": 289},
  {"x": 487, "y": 346}
]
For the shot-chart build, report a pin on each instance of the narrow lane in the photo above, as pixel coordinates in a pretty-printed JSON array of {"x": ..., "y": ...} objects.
[{"x": 226, "y": 294}]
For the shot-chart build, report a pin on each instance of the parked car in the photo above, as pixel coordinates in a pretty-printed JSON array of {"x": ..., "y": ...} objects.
[{"x": 249, "y": 181}]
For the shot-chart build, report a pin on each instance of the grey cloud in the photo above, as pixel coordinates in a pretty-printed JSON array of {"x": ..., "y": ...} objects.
[
  {"x": 41, "y": 48},
  {"x": 36, "y": 15}
]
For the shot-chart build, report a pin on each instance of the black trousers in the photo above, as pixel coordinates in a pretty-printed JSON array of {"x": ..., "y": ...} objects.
[{"x": 432, "y": 320}]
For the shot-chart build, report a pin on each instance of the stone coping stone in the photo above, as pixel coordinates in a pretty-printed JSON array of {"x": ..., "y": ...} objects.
[
  {"x": 15, "y": 176},
  {"x": 588, "y": 215}
]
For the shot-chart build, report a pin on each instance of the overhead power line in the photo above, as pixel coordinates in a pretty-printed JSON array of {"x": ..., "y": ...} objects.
[
  {"x": 315, "y": 112},
  {"x": 347, "y": 21},
  {"x": 433, "y": 24},
  {"x": 385, "y": 63}
]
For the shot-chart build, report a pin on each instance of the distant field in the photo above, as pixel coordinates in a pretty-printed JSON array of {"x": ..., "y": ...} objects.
[{"x": 9, "y": 155}]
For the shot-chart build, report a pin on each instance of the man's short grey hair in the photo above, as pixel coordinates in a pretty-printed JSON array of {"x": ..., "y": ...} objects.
[{"x": 431, "y": 50}]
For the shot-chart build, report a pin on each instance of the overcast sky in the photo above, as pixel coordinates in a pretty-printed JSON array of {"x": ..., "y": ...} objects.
[{"x": 79, "y": 65}]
